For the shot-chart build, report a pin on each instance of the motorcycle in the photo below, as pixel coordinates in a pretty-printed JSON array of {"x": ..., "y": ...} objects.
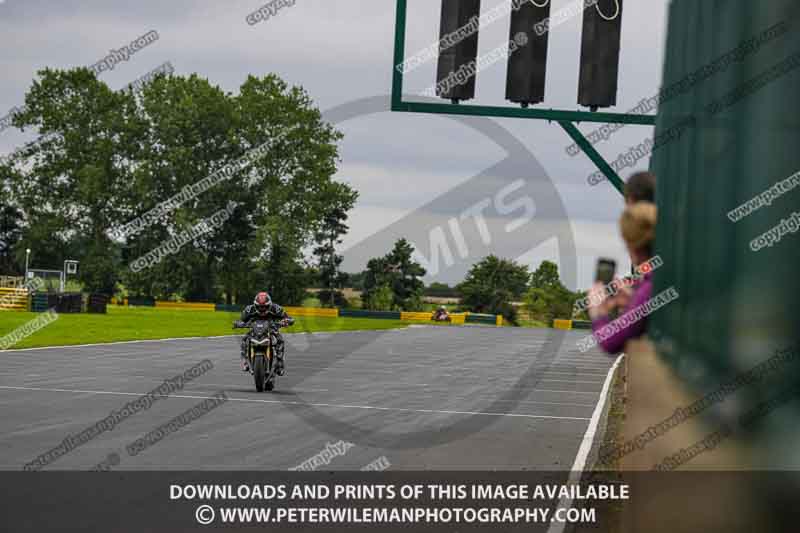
[
  {"x": 261, "y": 350},
  {"x": 441, "y": 315}
]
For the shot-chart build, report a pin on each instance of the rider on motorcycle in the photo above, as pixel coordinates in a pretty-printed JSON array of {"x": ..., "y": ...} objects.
[
  {"x": 263, "y": 308},
  {"x": 441, "y": 315}
]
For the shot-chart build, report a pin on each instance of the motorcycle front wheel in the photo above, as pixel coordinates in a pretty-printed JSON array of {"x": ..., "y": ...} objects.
[{"x": 259, "y": 371}]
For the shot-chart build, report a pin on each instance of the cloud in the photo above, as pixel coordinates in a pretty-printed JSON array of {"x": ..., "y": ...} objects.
[{"x": 342, "y": 51}]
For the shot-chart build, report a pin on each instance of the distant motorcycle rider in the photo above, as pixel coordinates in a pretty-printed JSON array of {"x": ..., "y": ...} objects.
[{"x": 263, "y": 308}]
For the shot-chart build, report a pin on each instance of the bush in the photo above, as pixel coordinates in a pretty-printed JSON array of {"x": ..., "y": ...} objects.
[
  {"x": 492, "y": 284},
  {"x": 381, "y": 299},
  {"x": 338, "y": 299},
  {"x": 413, "y": 303},
  {"x": 549, "y": 303}
]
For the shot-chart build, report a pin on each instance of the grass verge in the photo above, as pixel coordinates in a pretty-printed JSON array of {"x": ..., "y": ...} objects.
[
  {"x": 531, "y": 323},
  {"x": 143, "y": 323}
]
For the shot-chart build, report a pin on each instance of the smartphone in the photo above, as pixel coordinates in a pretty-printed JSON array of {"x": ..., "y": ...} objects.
[{"x": 606, "y": 268}]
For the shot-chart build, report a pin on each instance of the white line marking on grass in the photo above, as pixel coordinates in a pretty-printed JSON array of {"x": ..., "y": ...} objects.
[
  {"x": 586, "y": 445},
  {"x": 309, "y": 404}
]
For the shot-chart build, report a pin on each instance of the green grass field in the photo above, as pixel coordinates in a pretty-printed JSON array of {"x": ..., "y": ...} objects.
[
  {"x": 140, "y": 323},
  {"x": 532, "y": 323}
]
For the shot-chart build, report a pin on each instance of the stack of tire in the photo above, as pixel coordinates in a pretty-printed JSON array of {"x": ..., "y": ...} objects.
[
  {"x": 96, "y": 303},
  {"x": 68, "y": 302}
]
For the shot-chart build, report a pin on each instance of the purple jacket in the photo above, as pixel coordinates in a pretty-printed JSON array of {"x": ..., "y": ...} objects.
[{"x": 615, "y": 342}]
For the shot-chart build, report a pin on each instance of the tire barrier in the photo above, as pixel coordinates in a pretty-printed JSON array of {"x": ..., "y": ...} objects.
[{"x": 97, "y": 303}]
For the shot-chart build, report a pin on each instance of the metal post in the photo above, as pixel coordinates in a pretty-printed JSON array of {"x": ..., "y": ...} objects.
[
  {"x": 27, "y": 257},
  {"x": 596, "y": 158},
  {"x": 333, "y": 272},
  {"x": 519, "y": 112},
  {"x": 399, "y": 54}
]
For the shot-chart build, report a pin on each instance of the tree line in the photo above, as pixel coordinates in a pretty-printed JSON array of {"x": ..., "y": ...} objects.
[
  {"x": 493, "y": 285},
  {"x": 105, "y": 157}
]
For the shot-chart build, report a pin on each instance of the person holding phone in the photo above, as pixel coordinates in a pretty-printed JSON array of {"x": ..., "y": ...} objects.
[{"x": 638, "y": 226}]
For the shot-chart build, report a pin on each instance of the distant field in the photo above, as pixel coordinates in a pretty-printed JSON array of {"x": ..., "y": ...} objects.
[{"x": 141, "y": 323}]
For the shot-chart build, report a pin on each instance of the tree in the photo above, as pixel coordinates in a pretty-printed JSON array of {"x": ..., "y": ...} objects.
[
  {"x": 407, "y": 285},
  {"x": 546, "y": 276},
  {"x": 400, "y": 273},
  {"x": 492, "y": 284},
  {"x": 332, "y": 227},
  {"x": 376, "y": 277},
  {"x": 108, "y": 157},
  {"x": 10, "y": 235},
  {"x": 191, "y": 132},
  {"x": 291, "y": 185},
  {"x": 441, "y": 290},
  {"x": 336, "y": 298},
  {"x": 356, "y": 280},
  {"x": 73, "y": 183},
  {"x": 582, "y": 314},
  {"x": 548, "y": 298},
  {"x": 379, "y": 299}
]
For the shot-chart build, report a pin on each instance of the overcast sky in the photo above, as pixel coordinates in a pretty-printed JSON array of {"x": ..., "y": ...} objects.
[{"x": 341, "y": 51}]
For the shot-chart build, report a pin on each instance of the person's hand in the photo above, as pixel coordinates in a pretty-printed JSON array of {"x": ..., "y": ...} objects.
[
  {"x": 622, "y": 298},
  {"x": 598, "y": 293}
]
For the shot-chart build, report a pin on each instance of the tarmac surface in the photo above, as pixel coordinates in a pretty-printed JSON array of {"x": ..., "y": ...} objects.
[{"x": 432, "y": 398}]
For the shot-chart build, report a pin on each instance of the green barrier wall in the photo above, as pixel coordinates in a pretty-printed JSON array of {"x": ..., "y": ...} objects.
[
  {"x": 476, "y": 318},
  {"x": 39, "y": 302},
  {"x": 736, "y": 306},
  {"x": 361, "y": 313},
  {"x": 233, "y": 308},
  {"x": 142, "y": 302}
]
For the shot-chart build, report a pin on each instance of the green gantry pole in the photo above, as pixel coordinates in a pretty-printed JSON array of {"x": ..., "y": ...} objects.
[{"x": 596, "y": 158}]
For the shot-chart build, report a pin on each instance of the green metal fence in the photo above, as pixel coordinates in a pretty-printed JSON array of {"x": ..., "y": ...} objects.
[{"x": 737, "y": 306}]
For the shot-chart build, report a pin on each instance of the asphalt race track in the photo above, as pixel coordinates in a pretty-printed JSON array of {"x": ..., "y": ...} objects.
[{"x": 471, "y": 398}]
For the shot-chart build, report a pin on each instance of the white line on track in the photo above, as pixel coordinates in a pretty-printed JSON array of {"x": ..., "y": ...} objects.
[
  {"x": 116, "y": 343},
  {"x": 565, "y": 391},
  {"x": 582, "y": 374},
  {"x": 154, "y": 379},
  {"x": 493, "y": 400},
  {"x": 249, "y": 382},
  {"x": 586, "y": 444},
  {"x": 310, "y": 404},
  {"x": 569, "y": 381},
  {"x": 173, "y": 339}
]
